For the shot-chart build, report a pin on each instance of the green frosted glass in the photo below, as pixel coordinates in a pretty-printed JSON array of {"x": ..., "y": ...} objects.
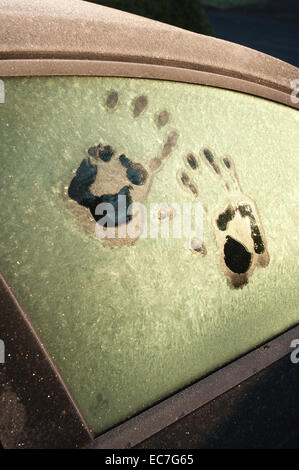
[{"x": 128, "y": 325}]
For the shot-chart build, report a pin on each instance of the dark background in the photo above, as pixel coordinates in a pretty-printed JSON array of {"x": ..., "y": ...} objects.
[{"x": 271, "y": 27}]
